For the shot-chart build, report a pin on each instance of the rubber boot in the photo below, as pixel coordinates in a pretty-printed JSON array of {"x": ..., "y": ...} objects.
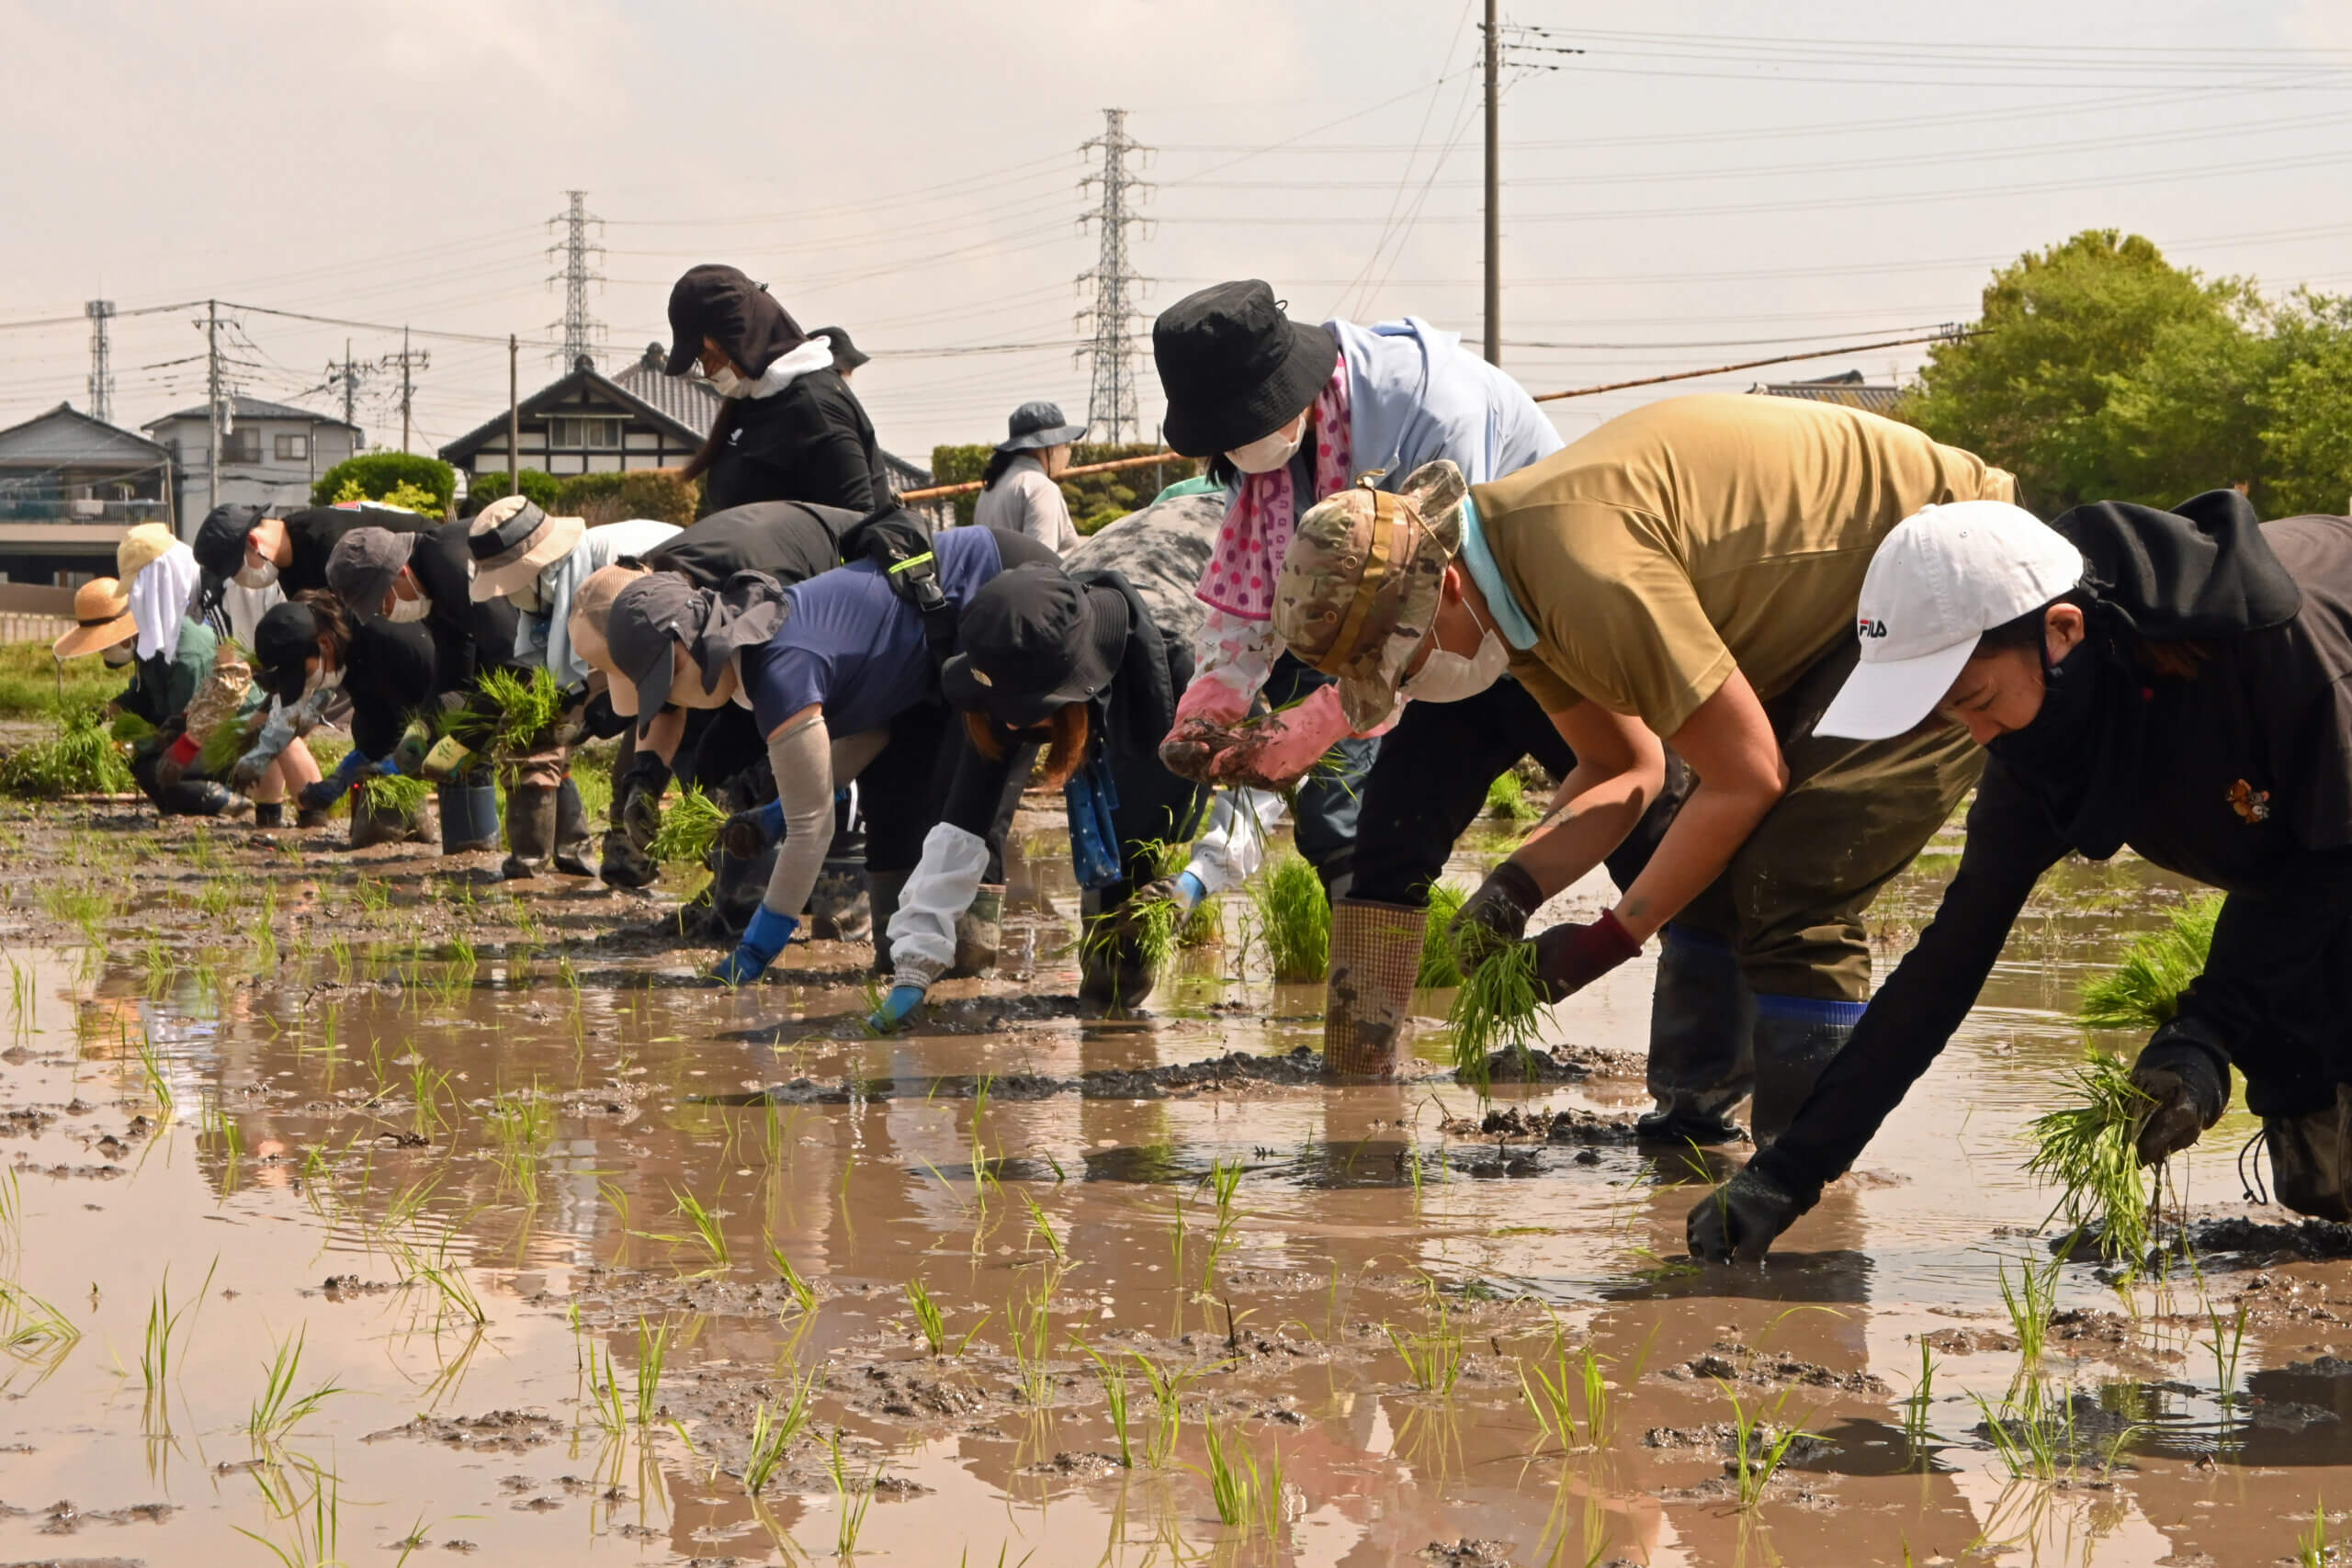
[
  {"x": 1114, "y": 972},
  {"x": 623, "y": 864},
  {"x": 201, "y": 797},
  {"x": 979, "y": 932},
  {"x": 882, "y": 890},
  {"x": 1702, "y": 1025},
  {"x": 269, "y": 814},
  {"x": 571, "y": 832},
  {"x": 308, "y": 817},
  {"x": 371, "y": 827},
  {"x": 1796, "y": 1037},
  {"x": 2310, "y": 1158},
  {"x": 469, "y": 817},
  {"x": 838, "y": 906},
  {"x": 737, "y": 887},
  {"x": 1368, "y": 1001},
  {"x": 530, "y": 830}
]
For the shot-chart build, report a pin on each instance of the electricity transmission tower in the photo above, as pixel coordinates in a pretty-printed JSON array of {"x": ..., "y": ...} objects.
[
  {"x": 101, "y": 365},
  {"x": 1118, "y": 291},
  {"x": 582, "y": 332}
]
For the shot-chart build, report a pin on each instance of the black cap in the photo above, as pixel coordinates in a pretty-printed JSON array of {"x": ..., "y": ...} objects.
[
  {"x": 649, "y": 617},
  {"x": 1034, "y": 640},
  {"x": 284, "y": 644},
  {"x": 846, "y": 354},
  {"x": 1235, "y": 368},
  {"x": 723, "y": 304},
  {"x": 219, "y": 546}
]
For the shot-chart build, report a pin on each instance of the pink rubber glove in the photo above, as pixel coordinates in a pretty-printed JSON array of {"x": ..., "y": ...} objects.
[
  {"x": 1205, "y": 715},
  {"x": 1273, "y": 752}
]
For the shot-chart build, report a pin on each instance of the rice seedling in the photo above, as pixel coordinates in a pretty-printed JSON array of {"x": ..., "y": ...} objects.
[
  {"x": 2143, "y": 991},
  {"x": 1114, "y": 1378},
  {"x": 1915, "y": 1404},
  {"x": 2036, "y": 1438},
  {"x": 395, "y": 795},
  {"x": 30, "y": 1327},
  {"x": 689, "y": 829},
  {"x": 510, "y": 710},
  {"x": 80, "y": 759},
  {"x": 1167, "y": 1388},
  {"x": 1294, "y": 919},
  {"x": 278, "y": 1410},
  {"x": 2228, "y": 1342},
  {"x": 523, "y": 1124},
  {"x": 130, "y": 730},
  {"x": 1507, "y": 800},
  {"x": 1554, "y": 1393},
  {"x": 425, "y": 1088},
  {"x": 452, "y": 1290},
  {"x": 855, "y": 1500},
  {"x": 1222, "y": 1181},
  {"x": 707, "y": 1230},
  {"x": 158, "y": 1083},
  {"x": 927, "y": 1317},
  {"x": 1248, "y": 1495},
  {"x": 1440, "y": 965},
  {"x": 1028, "y": 1319},
  {"x": 1498, "y": 1007},
  {"x": 2084, "y": 1148},
  {"x": 12, "y": 1214},
  {"x": 1432, "y": 1355},
  {"x": 652, "y": 1351},
  {"x": 604, "y": 1398},
  {"x": 772, "y": 1430},
  {"x": 2311, "y": 1549},
  {"x": 804, "y": 1294},
  {"x": 1760, "y": 1448},
  {"x": 1042, "y": 1225},
  {"x": 2030, "y": 1301}
]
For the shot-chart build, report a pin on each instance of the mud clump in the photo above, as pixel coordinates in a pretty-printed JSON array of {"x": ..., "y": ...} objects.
[
  {"x": 2318, "y": 1240},
  {"x": 1514, "y": 1123},
  {"x": 1087, "y": 1466},
  {"x": 1728, "y": 1361},
  {"x": 1467, "y": 1553},
  {"x": 500, "y": 1431},
  {"x": 1968, "y": 1341},
  {"x": 1561, "y": 1064}
]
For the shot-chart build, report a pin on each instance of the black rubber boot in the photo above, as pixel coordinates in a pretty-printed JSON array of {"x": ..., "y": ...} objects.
[
  {"x": 737, "y": 887},
  {"x": 1796, "y": 1037},
  {"x": 1703, "y": 1022},
  {"x": 371, "y": 827},
  {"x": 1113, "y": 973},
  {"x": 269, "y": 814},
  {"x": 308, "y": 817},
  {"x": 839, "y": 910},
  {"x": 979, "y": 933},
  {"x": 572, "y": 834},
  {"x": 530, "y": 830},
  {"x": 469, "y": 817},
  {"x": 882, "y": 890},
  {"x": 201, "y": 797}
]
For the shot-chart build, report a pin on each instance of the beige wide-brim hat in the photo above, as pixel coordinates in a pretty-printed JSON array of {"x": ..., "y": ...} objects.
[
  {"x": 591, "y": 607},
  {"x": 102, "y": 605},
  {"x": 513, "y": 541},
  {"x": 141, "y": 548},
  {"x": 1358, "y": 591}
]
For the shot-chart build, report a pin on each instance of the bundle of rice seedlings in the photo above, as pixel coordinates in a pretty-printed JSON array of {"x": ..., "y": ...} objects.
[
  {"x": 1294, "y": 919},
  {"x": 83, "y": 759},
  {"x": 221, "y": 746},
  {"x": 395, "y": 795},
  {"x": 130, "y": 730},
  {"x": 1497, "y": 1010},
  {"x": 689, "y": 828},
  {"x": 2084, "y": 1149},
  {"x": 509, "y": 711},
  {"x": 1439, "y": 964},
  {"x": 2143, "y": 991}
]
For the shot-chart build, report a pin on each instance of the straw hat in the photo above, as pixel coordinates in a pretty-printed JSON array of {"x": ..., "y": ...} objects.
[
  {"x": 513, "y": 541},
  {"x": 140, "y": 548},
  {"x": 102, "y": 605}
]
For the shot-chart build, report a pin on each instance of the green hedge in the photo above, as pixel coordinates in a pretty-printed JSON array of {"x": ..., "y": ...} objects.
[
  {"x": 657, "y": 493},
  {"x": 378, "y": 474},
  {"x": 486, "y": 488},
  {"x": 1096, "y": 500}
]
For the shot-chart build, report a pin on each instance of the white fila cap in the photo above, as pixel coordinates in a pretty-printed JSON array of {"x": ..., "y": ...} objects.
[{"x": 1943, "y": 578}]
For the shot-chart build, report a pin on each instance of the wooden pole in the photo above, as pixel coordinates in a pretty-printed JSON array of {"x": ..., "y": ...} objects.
[
  {"x": 514, "y": 425},
  {"x": 1494, "y": 196}
]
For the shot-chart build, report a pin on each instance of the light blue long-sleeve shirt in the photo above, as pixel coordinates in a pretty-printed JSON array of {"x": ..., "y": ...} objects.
[
  {"x": 546, "y": 638},
  {"x": 1415, "y": 395}
]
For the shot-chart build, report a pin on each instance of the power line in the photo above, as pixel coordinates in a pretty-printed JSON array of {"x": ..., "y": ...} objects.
[{"x": 1111, "y": 400}]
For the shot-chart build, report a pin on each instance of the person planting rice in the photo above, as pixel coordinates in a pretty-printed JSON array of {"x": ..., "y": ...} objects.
[
  {"x": 250, "y": 546},
  {"x": 310, "y": 645},
  {"x": 423, "y": 579},
  {"x": 537, "y": 564},
  {"x": 1289, "y": 414},
  {"x": 2170, "y": 681},
  {"x": 1683, "y": 575}
]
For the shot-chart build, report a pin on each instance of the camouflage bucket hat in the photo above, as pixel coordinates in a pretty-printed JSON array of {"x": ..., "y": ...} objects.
[{"x": 1358, "y": 589}]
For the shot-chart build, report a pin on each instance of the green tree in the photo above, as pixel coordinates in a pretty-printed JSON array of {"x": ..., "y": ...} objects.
[
  {"x": 2064, "y": 330},
  {"x": 2307, "y": 410},
  {"x": 375, "y": 475},
  {"x": 2187, "y": 417}
]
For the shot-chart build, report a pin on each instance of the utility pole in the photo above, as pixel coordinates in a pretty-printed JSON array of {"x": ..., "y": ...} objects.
[
  {"x": 1494, "y": 192},
  {"x": 345, "y": 378},
  {"x": 580, "y": 331},
  {"x": 408, "y": 362},
  {"x": 513, "y": 421},
  {"x": 1113, "y": 316},
  {"x": 101, "y": 367},
  {"x": 212, "y": 398}
]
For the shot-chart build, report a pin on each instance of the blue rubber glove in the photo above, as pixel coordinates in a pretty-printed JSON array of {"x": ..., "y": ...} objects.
[
  {"x": 902, "y": 1000},
  {"x": 763, "y": 940},
  {"x": 749, "y": 834},
  {"x": 1192, "y": 888},
  {"x": 335, "y": 785}
]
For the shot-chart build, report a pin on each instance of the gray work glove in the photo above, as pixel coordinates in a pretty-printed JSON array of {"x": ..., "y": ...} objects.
[
  {"x": 1741, "y": 1219},
  {"x": 2186, "y": 1074},
  {"x": 1494, "y": 916}
]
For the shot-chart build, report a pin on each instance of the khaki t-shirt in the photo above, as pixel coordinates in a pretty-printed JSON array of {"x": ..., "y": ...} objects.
[{"x": 1702, "y": 534}]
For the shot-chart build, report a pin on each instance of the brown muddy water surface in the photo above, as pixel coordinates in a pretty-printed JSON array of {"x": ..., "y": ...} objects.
[{"x": 507, "y": 1195}]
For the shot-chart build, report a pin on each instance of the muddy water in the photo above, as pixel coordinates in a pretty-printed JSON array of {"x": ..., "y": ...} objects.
[{"x": 450, "y": 1142}]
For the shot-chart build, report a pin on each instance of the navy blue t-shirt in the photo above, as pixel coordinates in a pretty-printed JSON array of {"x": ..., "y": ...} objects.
[{"x": 849, "y": 642}]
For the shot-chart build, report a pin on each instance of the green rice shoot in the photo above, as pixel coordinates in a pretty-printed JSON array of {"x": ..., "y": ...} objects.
[
  {"x": 395, "y": 795},
  {"x": 81, "y": 759},
  {"x": 1441, "y": 966},
  {"x": 510, "y": 711},
  {"x": 2143, "y": 991},
  {"x": 2084, "y": 1149},
  {"x": 1507, "y": 800},
  {"x": 1294, "y": 919},
  {"x": 689, "y": 828},
  {"x": 221, "y": 746},
  {"x": 130, "y": 730},
  {"x": 1497, "y": 1009}
]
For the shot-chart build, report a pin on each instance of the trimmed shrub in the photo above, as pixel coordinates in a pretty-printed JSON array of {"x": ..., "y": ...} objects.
[
  {"x": 374, "y": 476},
  {"x": 657, "y": 493},
  {"x": 486, "y": 488}
]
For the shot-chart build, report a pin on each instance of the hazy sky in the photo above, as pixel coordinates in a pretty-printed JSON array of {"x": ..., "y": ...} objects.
[{"x": 1729, "y": 181}]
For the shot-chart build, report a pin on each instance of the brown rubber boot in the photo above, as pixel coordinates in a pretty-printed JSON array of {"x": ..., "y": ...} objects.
[{"x": 1368, "y": 1003}]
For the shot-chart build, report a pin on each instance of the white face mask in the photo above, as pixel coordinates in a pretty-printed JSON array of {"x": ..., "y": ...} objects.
[
  {"x": 1268, "y": 453},
  {"x": 1451, "y": 677},
  {"x": 118, "y": 656},
  {"x": 404, "y": 610},
  {"x": 727, "y": 383},
  {"x": 322, "y": 681},
  {"x": 526, "y": 598},
  {"x": 257, "y": 577}
]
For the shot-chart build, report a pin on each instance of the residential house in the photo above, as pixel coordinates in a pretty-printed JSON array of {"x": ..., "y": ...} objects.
[
  {"x": 1849, "y": 390},
  {"x": 270, "y": 454},
  {"x": 69, "y": 487}
]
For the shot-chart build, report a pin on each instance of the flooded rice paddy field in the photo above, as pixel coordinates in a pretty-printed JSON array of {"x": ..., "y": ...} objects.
[{"x": 363, "y": 1209}]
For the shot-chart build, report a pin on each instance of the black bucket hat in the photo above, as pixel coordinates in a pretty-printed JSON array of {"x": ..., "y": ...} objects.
[
  {"x": 663, "y": 610},
  {"x": 847, "y": 355},
  {"x": 1034, "y": 426},
  {"x": 284, "y": 643},
  {"x": 1235, "y": 368},
  {"x": 1035, "y": 640},
  {"x": 722, "y": 303}
]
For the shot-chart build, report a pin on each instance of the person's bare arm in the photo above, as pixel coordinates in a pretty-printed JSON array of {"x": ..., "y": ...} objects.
[
  {"x": 1728, "y": 743},
  {"x": 1621, "y": 767}
]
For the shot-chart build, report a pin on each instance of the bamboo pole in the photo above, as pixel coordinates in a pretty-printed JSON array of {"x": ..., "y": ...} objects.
[{"x": 1116, "y": 464}]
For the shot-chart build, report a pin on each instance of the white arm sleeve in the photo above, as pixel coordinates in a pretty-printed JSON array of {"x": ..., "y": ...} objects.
[
  {"x": 1236, "y": 653},
  {"x": 922, "y": 933},
  {"x": 1233, "y": 846},
  {"x": 802, "y": 757}
]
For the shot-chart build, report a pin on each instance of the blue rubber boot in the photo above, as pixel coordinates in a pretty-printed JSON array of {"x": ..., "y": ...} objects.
[{"x": 469, "y": 817}]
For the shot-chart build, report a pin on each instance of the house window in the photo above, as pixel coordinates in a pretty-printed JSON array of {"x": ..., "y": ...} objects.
[
  {"x": 295, "y": 448},
  {"x": 241, "y": 446},
  {"x": 585, "y": 433}
]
